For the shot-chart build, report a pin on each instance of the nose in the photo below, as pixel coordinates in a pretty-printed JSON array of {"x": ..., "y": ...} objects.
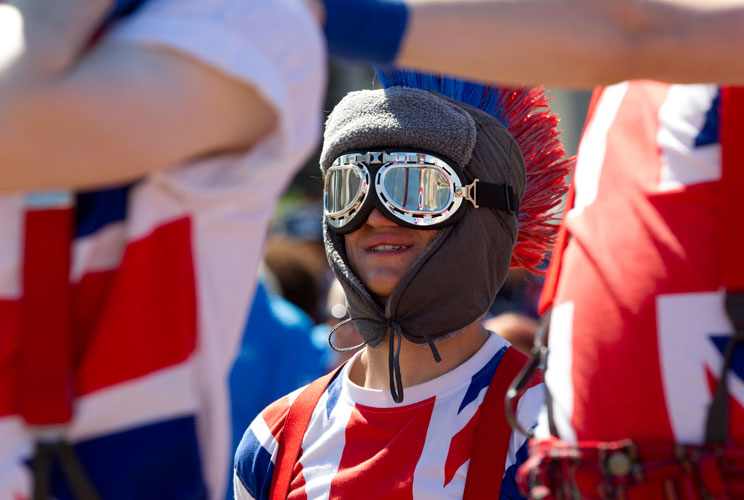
[{"x": 376, "y": 219}]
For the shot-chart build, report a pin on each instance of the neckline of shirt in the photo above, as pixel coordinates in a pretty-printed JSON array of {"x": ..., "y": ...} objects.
[{"x": 438, "y": 386}]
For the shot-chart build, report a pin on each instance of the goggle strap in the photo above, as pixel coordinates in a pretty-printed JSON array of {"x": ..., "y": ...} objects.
[{"x": 498, "y": 196}]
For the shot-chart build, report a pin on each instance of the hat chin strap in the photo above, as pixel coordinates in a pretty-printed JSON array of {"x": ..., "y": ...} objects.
[{"x": 394, "y": 331}]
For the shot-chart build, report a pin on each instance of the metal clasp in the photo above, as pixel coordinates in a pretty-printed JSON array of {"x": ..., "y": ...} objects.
[{"x": 469, "y": 192}]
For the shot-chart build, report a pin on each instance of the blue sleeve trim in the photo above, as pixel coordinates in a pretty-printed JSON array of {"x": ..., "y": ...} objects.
[{"x": 368, "y": 31}]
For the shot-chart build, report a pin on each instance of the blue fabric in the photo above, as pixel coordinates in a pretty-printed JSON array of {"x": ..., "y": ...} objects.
[
  {"x": 509, "y": 489},
  {"x": 159, "y": 461},
  {"x": 254, "y": 467},
  {"x": 334, "y": 391},
  {"x": 121, "y": 8},
  {"x": 368, "y": 31},
  {"x": 709, "y": 133},
  {"x": 482, "y": 379},
  {"x": 737, "y": 360},
  {"x": 277, "y": 356},
  {"x": 96, "y": 209}
]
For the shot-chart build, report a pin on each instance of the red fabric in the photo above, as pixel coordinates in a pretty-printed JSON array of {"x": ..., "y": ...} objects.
[
  {"x": 120, "y": 330},
  {"x": 461, "y": 448},
  {"x": 732, "y": 133},
  {"x": 140, "y": 329},
  {"x": 295, "y": 425},
  {"x": 45, "y": 378},
  {"x": 379, "y": 430},
  {"x": 9, "y": 359},
  {"x": 493, "y": 433}
]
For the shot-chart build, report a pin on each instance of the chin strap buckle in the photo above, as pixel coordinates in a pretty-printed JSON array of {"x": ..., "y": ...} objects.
[{"x": 469, "y": 192}]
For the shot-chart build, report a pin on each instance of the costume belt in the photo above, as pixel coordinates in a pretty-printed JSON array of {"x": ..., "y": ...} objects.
[{"x": 632, "y": 470}]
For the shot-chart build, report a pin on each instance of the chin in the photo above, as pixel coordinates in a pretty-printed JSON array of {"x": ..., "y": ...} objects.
[{"x": 382, "y": 288}]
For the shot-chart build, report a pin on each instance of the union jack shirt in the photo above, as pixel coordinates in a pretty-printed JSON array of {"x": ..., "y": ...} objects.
[
  {"x": 638, "y": 327},
  {"x": 155, "y": 277},
  {"x": 361, "y": 444}
]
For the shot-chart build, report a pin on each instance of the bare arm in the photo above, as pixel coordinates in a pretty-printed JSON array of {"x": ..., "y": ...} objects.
[
  {"x": 576, "y": 43},
  {"x": 115, "y": 113}
]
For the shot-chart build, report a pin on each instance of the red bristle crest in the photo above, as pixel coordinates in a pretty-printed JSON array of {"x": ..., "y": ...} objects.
[{"x": 533, "y": 125}]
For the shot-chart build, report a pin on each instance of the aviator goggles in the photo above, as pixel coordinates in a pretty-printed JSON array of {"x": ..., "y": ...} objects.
[{"x": 413, "y": 189}]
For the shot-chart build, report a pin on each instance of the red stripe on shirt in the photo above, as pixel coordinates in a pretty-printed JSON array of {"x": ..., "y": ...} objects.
[
  {"x": 461, "y": 447},
  {"x": 372, "y": 436}
]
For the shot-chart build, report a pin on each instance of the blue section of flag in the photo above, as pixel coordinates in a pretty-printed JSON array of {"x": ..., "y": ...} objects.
[
  {"x": 737, "y": 363},
  {"x": 334, "y": 391},
  {"x": 254, "y": 467},
  {"x": 482, "y": 379},
  {"x": 96, "y": 209},
  {"x": 509, "y": 489},
  {"x": 709, "y": 133},
  {"x": 152, "y": 462}
]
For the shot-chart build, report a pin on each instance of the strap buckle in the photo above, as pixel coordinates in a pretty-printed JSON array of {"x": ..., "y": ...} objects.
[{"x": 469, "y": 192}]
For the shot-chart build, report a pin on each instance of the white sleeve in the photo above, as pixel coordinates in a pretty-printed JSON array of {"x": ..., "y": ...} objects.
[{"x": 275, "y": 46}]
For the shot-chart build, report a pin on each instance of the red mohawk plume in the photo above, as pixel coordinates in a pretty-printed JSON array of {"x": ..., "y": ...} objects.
[{"x": 533, "y": 125}]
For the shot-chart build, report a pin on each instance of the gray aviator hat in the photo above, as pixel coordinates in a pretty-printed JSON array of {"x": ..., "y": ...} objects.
[{"x": 455, "y": 281}]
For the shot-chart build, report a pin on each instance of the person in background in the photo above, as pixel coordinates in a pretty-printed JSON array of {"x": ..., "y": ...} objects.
[
  {"x": 137, "y": 177},
  {"x": 295, "y": 255}
]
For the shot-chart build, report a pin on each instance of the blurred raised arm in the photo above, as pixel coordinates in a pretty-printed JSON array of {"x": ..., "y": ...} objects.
[
  {"x": 75, "y": 118},
  {"x": 578, "y": 43},
  {"x": 569, "y": 43}
]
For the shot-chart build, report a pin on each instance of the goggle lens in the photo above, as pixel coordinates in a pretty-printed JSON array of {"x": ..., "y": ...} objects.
[
  {"x": 417, "y": 189},
  {"x": 342, "y": 189}
]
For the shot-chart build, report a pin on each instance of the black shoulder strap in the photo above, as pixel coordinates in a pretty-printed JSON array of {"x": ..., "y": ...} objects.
[{"x": 731, "y": 243}]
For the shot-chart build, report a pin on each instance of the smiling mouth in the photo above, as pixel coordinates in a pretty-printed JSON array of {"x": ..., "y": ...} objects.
[{"x": 387, "y": 248}]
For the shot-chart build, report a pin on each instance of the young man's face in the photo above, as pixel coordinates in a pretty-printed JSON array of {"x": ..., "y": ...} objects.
[{"x": 381, "y": 252}]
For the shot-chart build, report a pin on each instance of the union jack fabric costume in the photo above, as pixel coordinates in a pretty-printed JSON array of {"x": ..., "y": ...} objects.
[
  {"x": 361, "y": 444},
  {"x": 122, "y": 310},
  {"x": 638, "y": 325},
  {"x": 642, "y": 294}
]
